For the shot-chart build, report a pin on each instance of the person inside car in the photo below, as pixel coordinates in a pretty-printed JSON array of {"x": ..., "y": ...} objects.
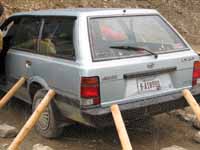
[{"x": 46, "y": 45}]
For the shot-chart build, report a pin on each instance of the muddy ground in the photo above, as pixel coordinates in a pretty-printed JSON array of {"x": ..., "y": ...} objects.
[{"x": 152, "y": 134}]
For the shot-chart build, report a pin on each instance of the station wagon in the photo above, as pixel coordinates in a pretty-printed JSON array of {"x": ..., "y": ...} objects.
[{"x": 94, "y": 58}]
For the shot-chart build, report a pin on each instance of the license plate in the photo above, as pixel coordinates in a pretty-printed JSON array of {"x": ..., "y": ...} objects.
[{"x": 145, "y": 85}]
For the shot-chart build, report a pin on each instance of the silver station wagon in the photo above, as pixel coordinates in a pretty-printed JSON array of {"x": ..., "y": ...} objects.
[{"x": 94, "y": 58}]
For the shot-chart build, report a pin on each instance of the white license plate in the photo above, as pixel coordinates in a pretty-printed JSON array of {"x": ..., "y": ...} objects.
[{"x": 145, "y": 85}]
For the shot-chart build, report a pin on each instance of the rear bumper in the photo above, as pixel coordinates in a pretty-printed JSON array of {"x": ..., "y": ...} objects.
[{"x": 100, "y": 117}]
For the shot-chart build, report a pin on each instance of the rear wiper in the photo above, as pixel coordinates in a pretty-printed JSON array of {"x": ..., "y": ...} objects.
[{"x": 135, "y": 48}]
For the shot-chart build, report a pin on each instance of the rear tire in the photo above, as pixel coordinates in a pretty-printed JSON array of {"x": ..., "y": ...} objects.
[{"x": 47, "y": 125}]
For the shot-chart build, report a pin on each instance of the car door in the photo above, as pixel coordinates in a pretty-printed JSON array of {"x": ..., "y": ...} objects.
[
  {"x": 22, "y": 47},
  {"x": 55, "y": 62}
]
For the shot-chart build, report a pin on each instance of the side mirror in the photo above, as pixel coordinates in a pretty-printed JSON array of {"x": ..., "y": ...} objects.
[{"x": 1, "y": 40}]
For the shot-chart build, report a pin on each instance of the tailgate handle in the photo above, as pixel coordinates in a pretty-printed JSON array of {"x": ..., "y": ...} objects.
[{"x": 149, "y": 73}]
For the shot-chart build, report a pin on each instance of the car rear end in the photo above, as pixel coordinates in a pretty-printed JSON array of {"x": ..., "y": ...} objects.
[{"x": 139, "y": 62}]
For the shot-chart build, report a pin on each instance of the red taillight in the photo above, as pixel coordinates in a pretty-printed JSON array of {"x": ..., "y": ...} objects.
[
  {"x": 196, "y": 73},
  {"x": 90, "y": 92}
]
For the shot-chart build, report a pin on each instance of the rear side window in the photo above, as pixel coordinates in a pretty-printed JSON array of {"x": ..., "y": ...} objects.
[
  {"x": 27, "y": 34},
  {"x": 57, "y": 37}
]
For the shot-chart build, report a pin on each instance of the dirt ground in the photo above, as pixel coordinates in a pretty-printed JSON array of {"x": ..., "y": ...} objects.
[{"x": 159, "y": 131}]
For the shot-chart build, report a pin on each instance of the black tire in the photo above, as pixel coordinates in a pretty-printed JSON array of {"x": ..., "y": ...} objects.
[{"x": 47, "y": 125}]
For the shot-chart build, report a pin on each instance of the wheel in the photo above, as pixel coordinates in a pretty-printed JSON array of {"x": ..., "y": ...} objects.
[{"x": 47, "y": 125}]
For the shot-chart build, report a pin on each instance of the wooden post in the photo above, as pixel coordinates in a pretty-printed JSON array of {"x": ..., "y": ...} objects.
[
  {"x": 192, "y": 102},
  {"x": 32, "y": 120},
  {"x": 121, "y": 129},
  {"x": 11, "y": 92}
]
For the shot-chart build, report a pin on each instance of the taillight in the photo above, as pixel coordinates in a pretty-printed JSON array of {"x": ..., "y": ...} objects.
[
  {"x": 90, "y": 92},
  {"x": 196, "y": 73}
]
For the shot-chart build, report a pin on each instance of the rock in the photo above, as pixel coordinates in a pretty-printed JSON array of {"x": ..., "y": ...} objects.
[
  {"x": 7, "y": 131},
  {"x": 174, "y": 147},
  {"x": 196, "y": 137},
  {"x": 183, "y": 115},
  {"x": 3, "y": 147},
  {"x": 188, "y": 110},
  {"x": 178, "y": 112},
  {"x": 196, "y": 124},
  {"x": 189, "y": 117},
  {"x": 41, "y": 147}
]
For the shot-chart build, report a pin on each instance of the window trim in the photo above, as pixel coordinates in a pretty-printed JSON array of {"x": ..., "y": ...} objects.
[{"x": 126, "y": 57}]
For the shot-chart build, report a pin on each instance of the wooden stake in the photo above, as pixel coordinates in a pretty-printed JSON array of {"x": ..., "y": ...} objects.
[
  {"x": 192, "y": 102},
  {"x": 11, "y": 92},
  {"x": 121, "y": 129},
  {"x": 32, "y": 120}
]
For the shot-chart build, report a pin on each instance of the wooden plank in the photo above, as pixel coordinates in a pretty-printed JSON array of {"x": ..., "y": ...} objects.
[
  {"x": 192, "y": 102},
  {"x": 11, "y": 92},
  {"x": 121, "y": 129},
  {"x": 32, "y": 120}
]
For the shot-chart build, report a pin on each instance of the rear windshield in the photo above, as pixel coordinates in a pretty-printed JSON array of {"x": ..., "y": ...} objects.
[{"x": 122, "y": 37}]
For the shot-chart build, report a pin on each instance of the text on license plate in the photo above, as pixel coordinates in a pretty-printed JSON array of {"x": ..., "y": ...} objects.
[{"x": 153, "y": 85}]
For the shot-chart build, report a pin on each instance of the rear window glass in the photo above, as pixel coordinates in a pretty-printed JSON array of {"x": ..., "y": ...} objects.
[{"x": 122, "y": 37}]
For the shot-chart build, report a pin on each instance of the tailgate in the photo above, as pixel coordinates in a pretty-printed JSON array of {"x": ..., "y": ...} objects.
[{"x": 129, "y": 80}]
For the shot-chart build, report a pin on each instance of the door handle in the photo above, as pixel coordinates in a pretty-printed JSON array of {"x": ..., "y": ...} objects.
[{"x": 28, "y": 63}]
